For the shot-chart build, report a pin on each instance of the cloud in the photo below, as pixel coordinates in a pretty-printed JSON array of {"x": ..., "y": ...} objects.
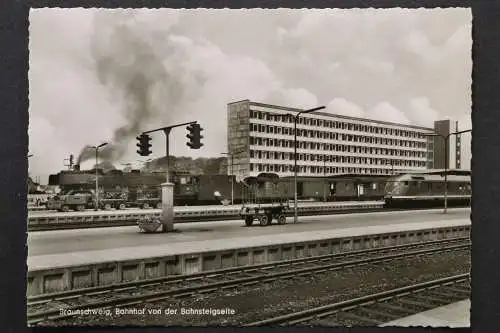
[
  {"x": 298, "y": 98},
  {"x": 343, "y": 107},
  {"x": 395, "y": 65},
  {"x": 421, "y": 113},
  {"x": 377, "y": 67},
  {"x": 384, "y": 111}
]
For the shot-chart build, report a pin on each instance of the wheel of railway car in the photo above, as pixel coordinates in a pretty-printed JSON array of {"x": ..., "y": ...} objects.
[
  {"x": 65, "y": 208},
  {"x": 158, "y": 205},
  {"x": 145, "y": 205},
  {"x": 248, "y": 220},
  {"x": 122, "y": 206},
  {"x": 281, "y": 219},
  {"x": 264, "y": 221},
  {"x": 80, "y": 208},
  {"x": 107, "y": 206}
]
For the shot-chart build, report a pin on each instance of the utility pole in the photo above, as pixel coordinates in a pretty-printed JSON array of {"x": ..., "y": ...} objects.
[
  {"x": 231, "y": 157},
  {"x": 324, "y": 176},
  {"x": 96, "y": 174},
  {"x": 446, "y": 141},
  {"x": 296, "y": 118}
]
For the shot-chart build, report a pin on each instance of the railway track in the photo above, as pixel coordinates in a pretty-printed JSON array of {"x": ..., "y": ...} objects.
[
  {"x": 49, "y": 307},
  {"x": 380, "y": 308}
]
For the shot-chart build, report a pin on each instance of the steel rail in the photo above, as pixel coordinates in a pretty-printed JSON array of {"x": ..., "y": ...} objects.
[
  {"x": 258, "y": 273},
  {"x": 325, "y": 310}
]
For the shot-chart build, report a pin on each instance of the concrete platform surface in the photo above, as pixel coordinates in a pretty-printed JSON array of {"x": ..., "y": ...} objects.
[
  {"x": 77, "y": 240},
  {"x": 188, "y": 246},
  {"x": 452, "y": 315}
]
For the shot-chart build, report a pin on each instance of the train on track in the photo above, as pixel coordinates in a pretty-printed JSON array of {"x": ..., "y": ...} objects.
[
  {"x": 421, "y": 188},
  {"x": 200, "y": 189}
]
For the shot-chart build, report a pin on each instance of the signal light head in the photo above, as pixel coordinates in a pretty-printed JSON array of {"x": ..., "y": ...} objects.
[
  {"x": 144, "y": 145},
  {"x": 194, "y": 136}
]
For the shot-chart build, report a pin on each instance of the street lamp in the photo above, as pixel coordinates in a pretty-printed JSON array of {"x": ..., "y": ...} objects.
[
  {"x": 446, "y": 139},
  {"x": 296, "y": 117},
  {"x": 96, "y": 174},
  {"x": 232, "y": 172}
]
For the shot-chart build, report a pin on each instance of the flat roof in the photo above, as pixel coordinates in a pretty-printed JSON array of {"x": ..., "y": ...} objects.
[{"x": 285, "y": 108}]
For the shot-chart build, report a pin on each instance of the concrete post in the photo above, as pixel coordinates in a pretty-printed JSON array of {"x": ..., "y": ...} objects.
[{"x": 167, "y": 200}]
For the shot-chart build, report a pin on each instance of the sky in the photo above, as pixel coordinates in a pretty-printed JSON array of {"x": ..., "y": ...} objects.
[{"x": 107, "y": 75}]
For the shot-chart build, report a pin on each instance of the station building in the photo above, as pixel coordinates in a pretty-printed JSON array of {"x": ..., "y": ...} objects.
[{"x": 261, "y": 139}]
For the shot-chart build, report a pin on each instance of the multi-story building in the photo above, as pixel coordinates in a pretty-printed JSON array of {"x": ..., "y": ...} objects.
[{"x": 261, "y": 139}]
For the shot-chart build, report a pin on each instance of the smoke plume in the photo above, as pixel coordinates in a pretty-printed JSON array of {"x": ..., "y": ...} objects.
[{"x": 129, "y": 63}]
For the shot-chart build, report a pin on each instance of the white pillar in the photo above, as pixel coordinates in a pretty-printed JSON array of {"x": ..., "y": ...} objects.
[{"x": 167, "y": 199}]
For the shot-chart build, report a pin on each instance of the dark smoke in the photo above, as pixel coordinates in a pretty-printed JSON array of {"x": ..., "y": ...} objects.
[
  {"x": 105, "y": 166},
  {"x": 132, "y": 68}
]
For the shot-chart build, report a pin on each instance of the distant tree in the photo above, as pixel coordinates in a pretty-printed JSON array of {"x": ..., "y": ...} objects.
[{"x": 202, "y": 165}]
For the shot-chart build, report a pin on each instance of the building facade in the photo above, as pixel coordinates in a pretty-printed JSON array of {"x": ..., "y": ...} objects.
[
  {"x": 261, "y": 139},
  {"x": 453, "y": 150}
]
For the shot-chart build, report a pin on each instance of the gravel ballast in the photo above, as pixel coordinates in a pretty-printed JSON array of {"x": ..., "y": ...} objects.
[{"x": 257, "y": 302}]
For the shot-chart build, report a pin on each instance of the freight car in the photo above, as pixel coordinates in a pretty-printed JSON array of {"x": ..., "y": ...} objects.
[
  {"x": 264, "y": 200},
  {"x": 427, "y": 190}
]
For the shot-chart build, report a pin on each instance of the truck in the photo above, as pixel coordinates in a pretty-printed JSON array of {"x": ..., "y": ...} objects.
[
  {"x": 80, "y": 200},
  {"x": 72, "y": 200}
]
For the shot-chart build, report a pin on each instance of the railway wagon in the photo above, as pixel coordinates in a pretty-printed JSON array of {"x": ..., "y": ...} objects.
[
  {"x": 338, "y": 187},
  {"x": 265, "y": 199},
  {"x": 427, "y": 190},
  {"x": 207, "y": 185}
]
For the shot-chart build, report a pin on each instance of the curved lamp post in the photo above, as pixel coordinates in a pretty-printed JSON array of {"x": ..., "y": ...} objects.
[
  {"x": 96, "y": 174},
  {"x": 446, "y": 139}
]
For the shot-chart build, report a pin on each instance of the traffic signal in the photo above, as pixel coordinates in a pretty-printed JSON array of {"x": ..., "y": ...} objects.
[
  {"x": 194, "y": 136},
  {"x": 144, "y": 145}
]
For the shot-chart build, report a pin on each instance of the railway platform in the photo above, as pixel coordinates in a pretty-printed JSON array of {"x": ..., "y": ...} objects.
[
  {"x": 62, "y": 260},
  {"x": 453, "y": 315},
  {"x": 82, "y": 240},
  {"x": 76, "y": 269}
]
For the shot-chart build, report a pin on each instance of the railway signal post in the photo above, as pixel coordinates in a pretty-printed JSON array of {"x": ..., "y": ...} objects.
[{"x": 167, "y": 188}]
